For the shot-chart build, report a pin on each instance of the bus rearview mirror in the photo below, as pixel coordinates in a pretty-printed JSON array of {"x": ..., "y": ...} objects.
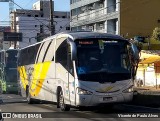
[
  {"x": 135, "y": 51},
  {"x": 73, "y": 50}
]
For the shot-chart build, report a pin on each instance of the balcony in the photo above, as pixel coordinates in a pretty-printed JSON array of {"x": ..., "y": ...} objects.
[
  {"x": 92, "y": 17},
  {"x": 82, "y": 3}
]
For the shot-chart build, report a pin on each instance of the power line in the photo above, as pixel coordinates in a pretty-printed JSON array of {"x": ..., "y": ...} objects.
[
  {"x": 87, "y": 15},
  {"x": 29, "y": 12}
]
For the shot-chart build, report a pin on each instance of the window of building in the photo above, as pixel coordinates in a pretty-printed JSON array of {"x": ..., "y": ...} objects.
[
  {"x": 56, "y": 16},
  {"x": 63, "y": 16},
  {"x": 36, "y": 15},
  {"x": 29, "y": 15},
  {"x": 41, "y": 29},
  {"x": 67, "y": 28}
]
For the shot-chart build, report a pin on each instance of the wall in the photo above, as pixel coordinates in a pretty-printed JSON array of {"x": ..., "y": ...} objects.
[{"x": 139, "y": 17}]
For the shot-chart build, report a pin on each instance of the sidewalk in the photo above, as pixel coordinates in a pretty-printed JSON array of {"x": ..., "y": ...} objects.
[
  {"x": 147, "y": 96},
  {"x": 147, "y": 90}
]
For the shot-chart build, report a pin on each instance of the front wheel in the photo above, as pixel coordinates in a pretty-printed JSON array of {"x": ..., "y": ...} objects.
[{"x": 62, "y": 105}]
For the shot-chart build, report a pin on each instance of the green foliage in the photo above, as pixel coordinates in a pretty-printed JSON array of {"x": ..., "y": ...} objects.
[{"x": 156, "y": 34}]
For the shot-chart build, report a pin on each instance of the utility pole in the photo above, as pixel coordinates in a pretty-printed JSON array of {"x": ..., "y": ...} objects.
[
  {"x": 51, "y": 18},
  {"x": 15, "y": 29}
]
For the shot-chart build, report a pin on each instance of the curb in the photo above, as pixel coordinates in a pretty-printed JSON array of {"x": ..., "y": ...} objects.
[{"x": 146, "y": 99}]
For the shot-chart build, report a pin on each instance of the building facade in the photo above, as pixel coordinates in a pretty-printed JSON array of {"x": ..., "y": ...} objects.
[
  {"x": 127, "y": 18},
  {"x": 35, "y": 24},
  {"x": 95, "y": 15},
  {"x": 4, "y": 44}
]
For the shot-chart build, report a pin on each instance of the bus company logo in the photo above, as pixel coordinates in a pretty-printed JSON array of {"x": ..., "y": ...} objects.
[
  {"x": 106, "y": 89},
  {"x": 6, "y": 115}
]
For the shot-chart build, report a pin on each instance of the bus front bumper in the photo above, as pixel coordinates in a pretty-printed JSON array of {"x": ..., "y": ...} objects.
[{"x": 103, "y": 99}]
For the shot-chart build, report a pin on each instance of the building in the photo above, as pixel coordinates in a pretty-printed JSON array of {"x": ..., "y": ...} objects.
[
  {"x": 4, "y": 44},
  {"x": 148, "y": 71},
  {"x": 35, "y": 24},
  {"x": 124, "y": 17}
]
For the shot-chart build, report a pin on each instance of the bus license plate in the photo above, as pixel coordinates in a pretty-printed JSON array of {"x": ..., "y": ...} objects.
[{"x": 107, "y": 98}]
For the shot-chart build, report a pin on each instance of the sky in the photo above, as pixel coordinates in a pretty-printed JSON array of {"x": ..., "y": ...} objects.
[{"x": 59, "y": 5}]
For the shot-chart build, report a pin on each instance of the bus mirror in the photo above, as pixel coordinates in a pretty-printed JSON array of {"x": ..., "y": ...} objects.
[
  {"x": 135, "y": 51},
  {"x": 73, "y": 50}
]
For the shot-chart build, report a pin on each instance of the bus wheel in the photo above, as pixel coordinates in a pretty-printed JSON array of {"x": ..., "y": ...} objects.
[
  {"x": 62, "y": 105},
  {"x": 29, "y": 99}
]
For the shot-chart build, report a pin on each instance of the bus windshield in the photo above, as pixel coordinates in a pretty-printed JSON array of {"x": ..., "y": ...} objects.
[{"x": 102, "y": 60}]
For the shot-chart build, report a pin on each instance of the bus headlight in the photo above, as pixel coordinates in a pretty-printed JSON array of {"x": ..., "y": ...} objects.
[
  {"x": 128, "y": 90},
  {"x": 83, "y": 92}
]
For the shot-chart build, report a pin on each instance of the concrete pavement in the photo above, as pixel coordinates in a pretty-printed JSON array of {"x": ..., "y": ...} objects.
[{"x": 147, "y": 96}]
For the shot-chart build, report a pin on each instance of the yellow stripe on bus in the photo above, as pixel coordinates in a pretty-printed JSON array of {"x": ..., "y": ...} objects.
[
  {"x": 36, "y": 75},
  {"x": 23, "y": 76},
  {"x": 42, "y": 77}
]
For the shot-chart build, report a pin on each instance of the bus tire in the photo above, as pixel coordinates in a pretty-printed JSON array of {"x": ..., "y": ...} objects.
[
  {"x": 29, "y": 99},
  {"x": 61, "y": 102}
]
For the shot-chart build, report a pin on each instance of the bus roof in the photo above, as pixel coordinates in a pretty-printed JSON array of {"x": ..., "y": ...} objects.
[
  {"x": 84, "y": 34},
  {"x": 80, "y": 35}
]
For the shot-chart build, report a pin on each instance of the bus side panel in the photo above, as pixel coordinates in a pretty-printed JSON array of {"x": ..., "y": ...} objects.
[
  {"x": 37, "y": 78},
  {"x": 62, "y": 81},
  {"x": 49, "y": 83},
  {"x": 44, "y": 72},
  {"x": 23, "y": 81},
  {"x": 62, "y": 74}
]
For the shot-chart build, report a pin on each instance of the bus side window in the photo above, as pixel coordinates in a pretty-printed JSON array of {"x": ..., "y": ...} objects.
[
  {"x": 31, "y": 54},
  {"x": 61, "y": 54}
]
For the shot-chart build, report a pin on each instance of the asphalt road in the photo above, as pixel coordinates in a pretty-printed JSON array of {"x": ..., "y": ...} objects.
[{"x": 49, "y": 112}]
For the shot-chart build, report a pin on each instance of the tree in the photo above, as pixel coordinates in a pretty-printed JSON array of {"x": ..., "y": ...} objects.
[{"x": 156, "y": 34}]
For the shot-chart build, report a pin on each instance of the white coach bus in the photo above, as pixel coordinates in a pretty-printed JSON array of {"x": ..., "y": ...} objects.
[{"x": 78, "y": 69}]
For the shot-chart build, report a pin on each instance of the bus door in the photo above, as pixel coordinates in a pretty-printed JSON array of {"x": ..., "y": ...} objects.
[
  {"x": 64, "y": 71},
  {"x": 71, "y": 80}
]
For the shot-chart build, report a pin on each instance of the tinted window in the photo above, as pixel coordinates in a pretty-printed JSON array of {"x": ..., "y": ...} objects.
[
  {"x": 28, "y": 55},
  {"x": 31, "y": 55},
  {"x": 61, "y": 54},
  {"x": 23, "y": 57}
]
